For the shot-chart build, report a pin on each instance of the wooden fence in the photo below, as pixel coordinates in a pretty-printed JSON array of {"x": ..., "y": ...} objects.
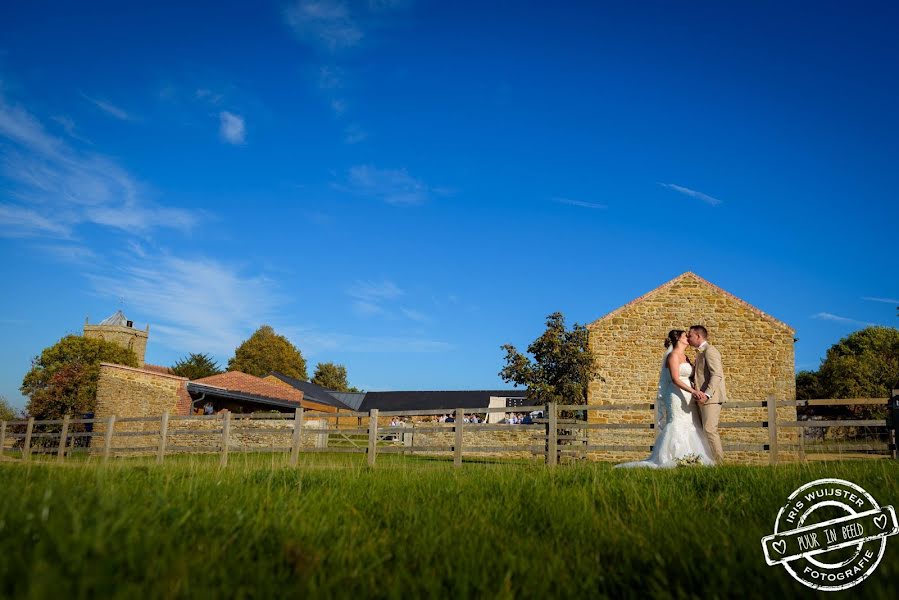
[{"x": 551, "y": 437}]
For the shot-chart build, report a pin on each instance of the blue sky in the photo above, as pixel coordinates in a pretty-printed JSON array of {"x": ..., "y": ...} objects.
[{"x": 403, "y": 186}]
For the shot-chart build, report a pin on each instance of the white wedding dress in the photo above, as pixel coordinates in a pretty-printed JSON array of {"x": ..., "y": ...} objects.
[{"x": 679, "y": 424}]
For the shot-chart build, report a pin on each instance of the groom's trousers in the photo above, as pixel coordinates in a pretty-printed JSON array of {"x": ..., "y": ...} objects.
[{"x": 710, "y": 415}]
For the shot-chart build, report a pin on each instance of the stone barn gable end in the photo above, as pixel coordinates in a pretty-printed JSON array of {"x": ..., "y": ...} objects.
[{"x": 756, "y": 348}]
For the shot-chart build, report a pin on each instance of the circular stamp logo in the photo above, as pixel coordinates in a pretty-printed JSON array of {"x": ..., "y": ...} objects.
[{"x": 830, "y": 535}]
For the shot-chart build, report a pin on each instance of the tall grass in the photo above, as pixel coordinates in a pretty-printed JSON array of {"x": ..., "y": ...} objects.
[{"x": 408, "y": 528}]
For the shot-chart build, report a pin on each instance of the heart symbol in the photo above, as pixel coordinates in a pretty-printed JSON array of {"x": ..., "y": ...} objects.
[
  {"x": 881, "y": 521},
  {"x": 780, "y": 546}
]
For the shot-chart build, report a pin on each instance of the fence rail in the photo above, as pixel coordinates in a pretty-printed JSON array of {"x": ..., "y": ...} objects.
[{"x": 307, "y": 431}]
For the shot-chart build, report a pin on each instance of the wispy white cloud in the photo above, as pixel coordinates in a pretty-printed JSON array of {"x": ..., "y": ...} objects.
[
  {"x": 825, "y": 316},
  {"x": 195, "y": 304},
  {"x": 330, "y": 77},
  {"x": 109, "y": 108},
  {"x": 69, "y": 253},
  {"x": 53, "y": 188},
  {"x": 580, "y": 203},
  {"x": 232, "y": 128},
  {"x": 381, "y": 5},
  {"x": 884, "y": 300},
  {"x": 338, "y": 105},
  {"x": 374, "y": 291},
  {"x": 393, "y": 186},
  {"x": 21, "y": 221},
  {"x": 209, "y": 96},
  {"x": 353, "y": 134},
  {"x": 379, "y": 298},
  {"x": 415, "y": 315},
  {"x": 316, "y": 342},
  {"x": 68, "y": 125},
  {"x": 710, "y": 200},
  {"x": 325, "y": 23}
]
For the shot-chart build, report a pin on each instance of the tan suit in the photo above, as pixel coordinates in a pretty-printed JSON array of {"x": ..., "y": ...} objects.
[{"x": 709, "y": 377}]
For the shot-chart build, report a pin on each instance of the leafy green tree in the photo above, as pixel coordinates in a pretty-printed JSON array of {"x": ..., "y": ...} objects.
[
  {"x": 7, "y": 412},
  {"x": 562, "y": 365},
  {"x": 864, "y": 364},
  {"x": 196, "y": 366},
  {"x": 266, "y": 351},
  {"x": 808, "y": 385},
  {"x": 333, "y": 377},
  {"x": 63, "y": 379}
]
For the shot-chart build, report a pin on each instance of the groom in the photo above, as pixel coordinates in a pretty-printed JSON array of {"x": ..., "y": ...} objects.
[{"x": 709, "y": 376}]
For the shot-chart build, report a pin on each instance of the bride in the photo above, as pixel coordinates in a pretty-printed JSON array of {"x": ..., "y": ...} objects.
[{"x": 678, "y": 421}]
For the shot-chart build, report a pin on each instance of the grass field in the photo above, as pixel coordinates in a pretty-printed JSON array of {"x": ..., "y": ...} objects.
[{"x": 408, "y": 528}]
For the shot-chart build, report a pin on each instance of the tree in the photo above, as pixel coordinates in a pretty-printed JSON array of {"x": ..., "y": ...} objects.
[
  {"x": 864, "y": 364},
  {"x": 63, "y": 379},
  {"x": 266, "y": 351},
  {"x": 562, "y": 364},
  {"x": 808, "y": 385},
  {"x": 196, "y": 366},
  {"x": 7, "y": 412},
  {"x": 332, "y": 376}
]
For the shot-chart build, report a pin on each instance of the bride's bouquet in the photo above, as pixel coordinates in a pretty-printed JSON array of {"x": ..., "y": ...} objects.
[{"x": 688, "y": 460}]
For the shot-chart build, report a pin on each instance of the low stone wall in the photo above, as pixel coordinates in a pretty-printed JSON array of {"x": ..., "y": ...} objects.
[
  {"x": 205, "y": 435},
  {"x": 475, "y": 435}
]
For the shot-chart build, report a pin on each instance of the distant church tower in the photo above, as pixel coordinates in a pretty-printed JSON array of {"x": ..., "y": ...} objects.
[{"x": 121, "y": 331}]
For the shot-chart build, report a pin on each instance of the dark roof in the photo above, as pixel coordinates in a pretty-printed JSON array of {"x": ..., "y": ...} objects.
[
  {"x": 196, "y": 389},
  {"x": 351, "y": 399},
  {"x": 425, "y": 400},
  {"x": 311, "y": 391}
]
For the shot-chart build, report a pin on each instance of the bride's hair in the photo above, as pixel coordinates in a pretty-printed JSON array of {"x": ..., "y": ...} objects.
[{"x": 673, "y": 336}]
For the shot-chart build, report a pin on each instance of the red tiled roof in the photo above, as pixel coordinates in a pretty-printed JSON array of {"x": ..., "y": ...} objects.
[
  {"x": 249, "y": 384},
  {"x": 695, "y": 277}
]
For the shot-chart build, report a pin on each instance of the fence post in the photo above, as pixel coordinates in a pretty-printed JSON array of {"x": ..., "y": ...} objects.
[
  {"x": 552, "y": 438},
  {"x": 893, "y": 410},
  {"x": 63, "y": 437},
  {"x": 226, "y": 437},
  {"x": 372, "y": 436},
  {"x": 772, "y": 430},
  {"x": 802, "y": 456},
  {"x": 457, "y": 441},
  {"x": 163, "y": 436},
  {"x": 297, "y": 437},
  {"x": 26, "y": 449},
  {"x": 107, "y": 442},
  {"x": 2, "y": 437}
]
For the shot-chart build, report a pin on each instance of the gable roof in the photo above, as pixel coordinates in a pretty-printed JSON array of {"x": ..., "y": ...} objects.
[
  {"x": 427, "y": 400},
  {"x": 237, "y": 381},
  {"x": 311, "y": 391},
  {"x": 690, "y": 275}
]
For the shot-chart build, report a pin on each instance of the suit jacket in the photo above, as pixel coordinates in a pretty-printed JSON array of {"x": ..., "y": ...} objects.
[{"x": 709, "y": 374}]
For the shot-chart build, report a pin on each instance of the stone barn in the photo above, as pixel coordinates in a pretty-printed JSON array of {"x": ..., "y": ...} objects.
[{"x": 757, "y": 352}]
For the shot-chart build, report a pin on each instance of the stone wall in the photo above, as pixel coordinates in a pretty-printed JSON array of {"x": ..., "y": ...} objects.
[
  {"x": 186, "y": 435},
  {"x": 127, "y": 392},
  {"x": 475, "y": 435},
  {"x": 126, "y": 337},
  {"x": 757, "y": 352}
]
